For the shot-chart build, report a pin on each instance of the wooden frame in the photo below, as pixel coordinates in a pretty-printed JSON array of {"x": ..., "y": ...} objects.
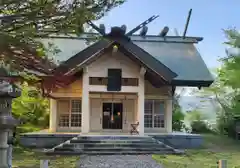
[
  {"x": 153, "y": 115},
  {"x": 104, "y": 81},
  {"x": 98, "y": 80},
  {"x": 69, "y": 112}
]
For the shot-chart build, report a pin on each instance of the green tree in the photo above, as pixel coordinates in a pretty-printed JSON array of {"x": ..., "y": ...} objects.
[
  {"x": 31, "y": 109},
  {"x": 23, "y": 21},
  {"x": 229, "y": 75},
  {"x": 225, "y": 89}
]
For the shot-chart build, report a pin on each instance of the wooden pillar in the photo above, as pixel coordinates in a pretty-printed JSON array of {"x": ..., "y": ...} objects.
[
  {"x": 53, "y": 116},
  {"x": 168, "y": 118},
  {"x": 85, "y": 102},
  {"x": 141, "y": 100}
]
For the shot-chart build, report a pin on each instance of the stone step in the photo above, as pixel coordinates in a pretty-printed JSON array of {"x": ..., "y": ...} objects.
[
  {"x": 112, "y": 149},
  {"x": 114, "y": 137},
  {"x": 87, "y": 145},
  {"x": 74, "y": 153},
  {"x": 125, "y": 149},
  {"x": 109, "y": 141},
  {"x": 111, "y": 146}
]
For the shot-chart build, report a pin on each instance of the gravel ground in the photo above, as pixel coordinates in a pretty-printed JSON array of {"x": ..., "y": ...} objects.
[{"x": 118, "y": 161}]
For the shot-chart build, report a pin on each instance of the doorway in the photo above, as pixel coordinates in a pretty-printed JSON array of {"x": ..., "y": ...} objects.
[{"x": 112, "y": 115}]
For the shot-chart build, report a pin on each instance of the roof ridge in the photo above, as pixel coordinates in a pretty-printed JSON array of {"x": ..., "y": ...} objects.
[{"x": 147, "y": 38}]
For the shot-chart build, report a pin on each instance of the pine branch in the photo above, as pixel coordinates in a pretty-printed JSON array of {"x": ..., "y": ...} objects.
[{"x": 23, "y": 21}]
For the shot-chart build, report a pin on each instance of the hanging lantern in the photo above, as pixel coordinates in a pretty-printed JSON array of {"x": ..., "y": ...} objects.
[{"x": 115, "y": 49}]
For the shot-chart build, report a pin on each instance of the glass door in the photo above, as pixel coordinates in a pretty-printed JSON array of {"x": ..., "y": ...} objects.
[{"x": 112, "y": 115}]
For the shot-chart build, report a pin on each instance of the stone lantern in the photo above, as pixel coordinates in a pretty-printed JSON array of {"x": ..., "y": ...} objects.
[{"x": 7, "y": 93}]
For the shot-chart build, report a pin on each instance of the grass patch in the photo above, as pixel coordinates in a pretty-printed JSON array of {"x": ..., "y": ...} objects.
[
  {"x": 215, "y": 147},
  {"x": 24, "y": 158}
]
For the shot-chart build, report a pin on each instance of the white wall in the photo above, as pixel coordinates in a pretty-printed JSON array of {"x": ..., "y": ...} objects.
[{"x": 100, "y": 67}]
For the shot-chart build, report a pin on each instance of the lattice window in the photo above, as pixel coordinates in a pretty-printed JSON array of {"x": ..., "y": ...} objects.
[
  {"x": 148, "y": 114},
  {"x": 70, "y": 113},
  {"x": 159, "y": 111},
  {"x": 64, "y": 120},
  {"x": 76, "y": 113},
  {"x": 154, "y": 115},
  {"x": 63, "y": 111}
]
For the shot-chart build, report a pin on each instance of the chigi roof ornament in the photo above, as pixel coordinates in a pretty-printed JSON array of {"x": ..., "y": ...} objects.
[
  {"x": 121, "y": 31},
  {"x": 102, "y": 28},
  {"x": 164, "y": 31},
  {"x": 144, "y": 30},
  {"x": 124, "y": 28}
]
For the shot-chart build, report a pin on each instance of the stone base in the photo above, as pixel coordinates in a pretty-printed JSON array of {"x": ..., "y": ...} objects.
[
  {"x": 180, "y": 140},
  {"x": 40, "y": 140}
]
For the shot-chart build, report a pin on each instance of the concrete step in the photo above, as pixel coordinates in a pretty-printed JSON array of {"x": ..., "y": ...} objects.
[
  {"x": 135, "y": 145},
  {"x": 112, "y": 149},
  {"x": 125, "y": 149},
  {"x": 110, "y": 141},
  {"x": 109, "y": 145},
  {"x": 74, "y": 153},
  {"x": 114, "y": 137}
]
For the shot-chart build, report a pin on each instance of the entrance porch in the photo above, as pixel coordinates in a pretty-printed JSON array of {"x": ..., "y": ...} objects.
[
  {"x": 108, "y": 112},
  {"x": 113, "y": 112}
]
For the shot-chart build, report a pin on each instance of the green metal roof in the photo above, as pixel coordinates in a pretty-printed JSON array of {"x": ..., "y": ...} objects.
[
  {"x": 179, "y": 55},
  {"x": 181, "y": 58}
]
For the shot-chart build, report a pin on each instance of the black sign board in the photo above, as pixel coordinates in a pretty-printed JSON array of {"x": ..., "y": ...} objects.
[{"x": 114, "y": 80}]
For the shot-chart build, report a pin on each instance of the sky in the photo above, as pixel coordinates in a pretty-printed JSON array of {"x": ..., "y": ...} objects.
[{"x": 209, "y": 18}]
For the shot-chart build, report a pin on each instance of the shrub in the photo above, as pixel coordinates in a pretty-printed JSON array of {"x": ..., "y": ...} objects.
[
  {"x": 198, "y": 122},
  {"x": 199, "y": 126},
  {"x": 177, "y": 122}
]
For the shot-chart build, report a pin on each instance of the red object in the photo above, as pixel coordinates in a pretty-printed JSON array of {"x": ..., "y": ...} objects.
[{"x": 50, "y": 83}]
